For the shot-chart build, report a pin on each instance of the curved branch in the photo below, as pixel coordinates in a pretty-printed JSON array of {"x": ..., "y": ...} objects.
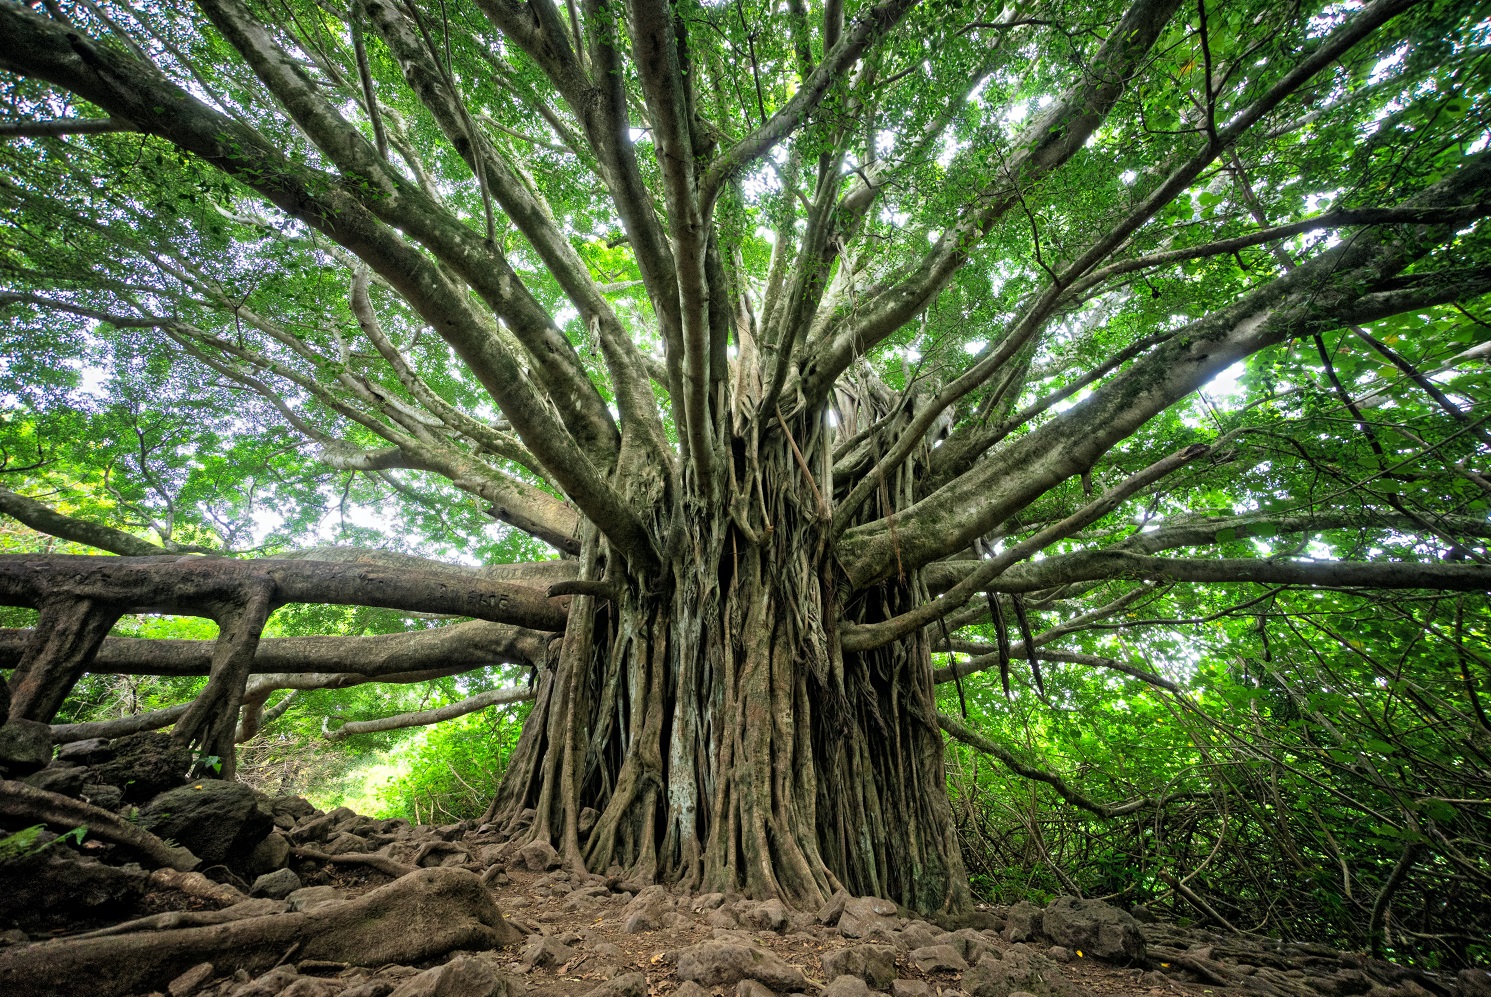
[
  {"x": 44, "y": 519},
  {"x": 974, "y": 739},
  {"x": 422, "y": 718}
]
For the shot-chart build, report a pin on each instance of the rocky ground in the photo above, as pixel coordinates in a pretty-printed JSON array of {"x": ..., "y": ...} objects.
[{"x": 277, "y": 899}]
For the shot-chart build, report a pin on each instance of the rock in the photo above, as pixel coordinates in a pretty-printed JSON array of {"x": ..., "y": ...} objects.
[
  {"x": 722, "y": 918},
  {"x": 1094, "y": 928},
  {"x": 768, "y": 916},
  {"x": 144, "y": 765},
  {"x": 310, "y": 897},
  {"x": 919, "y": 933},
  {"x": 911, "y": 988},
  {"x": 219, "y": 821},
  {"x": 25, "y": 747},
  {"x": 275, "y": 885},
  {"x": 343, "y": 843},
  {"x": 268, "y": 855},
  {"x": 1059, "y": 953},
  {"x": 971, "y": 945},
  {"x": 546, "y": 950},
  {"x": 690, "y": 989},
  {"x": 537, "y": 856},
  {"x": 463, "y": 976},
  {"x": 875, "y": 964},
  {"x": 192, "y": 980},
  {"x": 846, "y": 986},
  {"x": 57, "y": 886},
  {"x": 588, "y": 817},
  {"x": 626, "y": 985},
  {"x": 607, "y": 952},
  {"x": 708, "y": 901},
  {"x": 861, "y": 914},
  {"x": 89, "y": 752},
  {"x": 64, "y": 778},
  {"x": 101, "y": 796},
  {"x": 1025, "y": 922},
  {"x": 939, "y": 959},
  {"x": 830, "y": 912},
  {"x": 311, "y": 986},
  {"x": 726, "y": 962},
  {"x": 1018, "y": 971},
  {"x": 750, "y": 988},
  {"x": 639, "y": 921},
  {"x": 1473, "y": 983},
  {"x": 1143, "y": 914}
]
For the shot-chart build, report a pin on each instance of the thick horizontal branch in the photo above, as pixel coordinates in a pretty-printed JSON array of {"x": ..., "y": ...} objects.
[
  {"x": 462, "y": 646},
  {"x": 199, "y": 585},
  {"x": 423, "y": 718},
  {"x": 44, "y": 519},
  {"x": 1099, "y": 565},
  {"x": 64, "y": 126}
]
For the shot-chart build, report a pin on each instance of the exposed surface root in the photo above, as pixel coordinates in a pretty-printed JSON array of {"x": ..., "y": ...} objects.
[{"x": 421, "y": 916}]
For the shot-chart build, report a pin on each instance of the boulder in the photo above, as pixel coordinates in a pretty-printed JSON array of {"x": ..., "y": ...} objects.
[
  {"x": 830, "y": 912},
  {"x": 1025, "y": 922},
  {"x": 626, "y": 985},
  {"x": 25, "y": 747},
  {"x": 219, "y": 821},
  {"x": 911, "y": 988},
  {"x": 846, "y": 986},
  {"x": 89, "y": 752},
  {"x": 875, "y": 964},
  {"x": 463, "y": 976},
  {"x": 59, "y": 777},
  {"x": 56, "y": 886},
  {"x": 546, "y": 951},
  {"x": 275, "y": 885},
  {"x": 939, "y": 959},
  {"x": 1094, "y": 928},
  {"x": 1018, "y": 971},
  {"x": 101, "y": 796},
  {"x": 690, "y": 989},
  {"x": 768, "y": 916},
  {"x": 538, "y": 856},
  {"x": 727, "y": 962},
  {"x": 268, "y": 855},
  {"x": 862, "y": 914},
  {"x": 144, "y": 765},
  {"x": 750, "y": 988},
  {"x": 588, "y": 817}
]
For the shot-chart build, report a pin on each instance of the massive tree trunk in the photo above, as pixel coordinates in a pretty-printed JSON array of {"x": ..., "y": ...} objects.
[
  {"x": 741, "y": 695},
  {"x": 708, "y": 715}
]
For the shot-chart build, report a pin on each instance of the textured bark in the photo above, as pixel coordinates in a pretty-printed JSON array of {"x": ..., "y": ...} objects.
[
  {"x": 418, "y": 917},
  {"x": 727, "y": 743}
]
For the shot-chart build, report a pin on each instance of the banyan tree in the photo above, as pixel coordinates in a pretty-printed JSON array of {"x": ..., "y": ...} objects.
[{"x": 809, "y": 342}]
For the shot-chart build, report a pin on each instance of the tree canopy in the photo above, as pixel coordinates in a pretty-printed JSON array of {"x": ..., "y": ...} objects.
[{"x": 1101, "y": 384}]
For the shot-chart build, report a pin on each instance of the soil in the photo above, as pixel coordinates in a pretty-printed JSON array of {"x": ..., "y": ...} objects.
[{"x": 602, "y": 931}]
